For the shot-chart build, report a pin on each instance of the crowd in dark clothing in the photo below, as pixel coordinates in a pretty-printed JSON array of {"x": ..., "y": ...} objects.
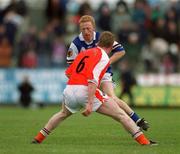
[
  {"x": 149, "y": 34},
  {"x": 28, "y": 47}
]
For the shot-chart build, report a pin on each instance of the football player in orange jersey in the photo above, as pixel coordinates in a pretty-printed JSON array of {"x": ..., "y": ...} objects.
[{"x": 82, "y": 91}]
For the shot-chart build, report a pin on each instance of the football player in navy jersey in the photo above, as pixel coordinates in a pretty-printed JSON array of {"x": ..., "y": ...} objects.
[{"x": 88, "y": 38}]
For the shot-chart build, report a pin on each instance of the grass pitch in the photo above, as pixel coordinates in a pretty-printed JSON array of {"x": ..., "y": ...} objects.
[{"x": 96, "y": 134}]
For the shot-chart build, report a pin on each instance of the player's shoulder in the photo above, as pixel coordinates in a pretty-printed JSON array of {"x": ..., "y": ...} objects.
[
  {"x": 117, "y": 46},
  {"x": 76, "y": 40},
  {"x": 116, "y": 43},
  {"x": 97, "y": 34}
]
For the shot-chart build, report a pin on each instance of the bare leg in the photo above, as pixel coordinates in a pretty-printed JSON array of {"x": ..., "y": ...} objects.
[
  {"x": 57, "y": 118},
  {"x": 52, "y": 124},
  {"x": 108, "y": 88},
  {"x": 110, "y": 108}
]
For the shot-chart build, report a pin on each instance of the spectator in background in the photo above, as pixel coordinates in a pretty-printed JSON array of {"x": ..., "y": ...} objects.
[
  {"x": 167, "y": 64},
  {"x": 127, "y": 82},
  {"x": 172, "y": 34},
  {"x": 44, "y": 49},
  {"x": 138, "y": 13},
  {"x": 58, "y": 27},
  {"x": 158, "y": 28},
  {"x": 25, "y": 89},
  {"x": 156, "y": 13},
  {"x": 148, "y": 11},
  {"x": 104, "y": 17},
  {"x": 56, "y": 15},
  {"x": 5, "y": 47},
  {"x": 124, "y": 32},
  {"x": 5, "y": 52},
  {"x": 85, "y": 9},
  {"x": 2, "y": 31},
  {"x": 130, "y": 38},
  {"x": 120, "y": 16},
  {"x": 13, "y": 17},
  {"x": 56, "y": 9},
  {"x": 139, "y": 18},
  {"x": 149, "y": 59},
  {"x": 171, "y": 15},
  {"x": 18, "y": 7},
  {"x": 29, "y": 59},
  {"x": 58, "y": 52},
  {"x": 27, "y": 42}
]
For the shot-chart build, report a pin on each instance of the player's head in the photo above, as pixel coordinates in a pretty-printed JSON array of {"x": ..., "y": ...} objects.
[
  {"x": 87, "y": 27},
  {"x": 106, "y": 40}
]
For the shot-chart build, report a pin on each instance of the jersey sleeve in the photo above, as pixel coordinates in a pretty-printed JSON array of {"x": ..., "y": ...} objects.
[
  {"x": 72, "y": 53},
  {"x": 117, "y": 47}
]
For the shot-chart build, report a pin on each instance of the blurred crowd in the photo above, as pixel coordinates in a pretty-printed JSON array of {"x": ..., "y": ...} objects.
[{"x": 148, "y": 32}]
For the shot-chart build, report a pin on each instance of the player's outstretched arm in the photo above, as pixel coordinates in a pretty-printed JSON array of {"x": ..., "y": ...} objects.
[{"x": 116, "y": 56}]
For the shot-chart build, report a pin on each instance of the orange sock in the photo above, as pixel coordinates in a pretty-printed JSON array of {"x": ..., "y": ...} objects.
[
  {"x": 42, "y": 135},
  {"x": 39, "y": 137},
  {"x": 141, "y": 139}
]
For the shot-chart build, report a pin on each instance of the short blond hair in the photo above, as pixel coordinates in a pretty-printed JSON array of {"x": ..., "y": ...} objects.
[
  {"x": 87, "y": 18},
  {"x": 106, "y": 39}
]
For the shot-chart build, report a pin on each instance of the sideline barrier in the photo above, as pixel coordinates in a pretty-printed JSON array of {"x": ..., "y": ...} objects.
[
  {"x": 152, "y": 90},
  {"x": 48, "y": 84},
  {"x": 162, "y": 90}
]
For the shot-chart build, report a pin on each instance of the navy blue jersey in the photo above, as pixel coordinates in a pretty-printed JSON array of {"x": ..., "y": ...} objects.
[{"x": 79, "y": 44}]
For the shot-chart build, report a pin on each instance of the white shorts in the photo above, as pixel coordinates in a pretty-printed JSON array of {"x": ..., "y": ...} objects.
[
  {"x": 106, "y": 77},
  {"x": 75, "y": 98}
]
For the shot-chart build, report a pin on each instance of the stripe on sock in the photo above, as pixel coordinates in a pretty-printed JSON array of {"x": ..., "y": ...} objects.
[
  {"x": 131, "y": 114},
  {"x": 44, "y": 132},
  {"x": 134, "y": 117},
  {"x": 135, "y": 135},
  {"x": 47, "y": 131}
]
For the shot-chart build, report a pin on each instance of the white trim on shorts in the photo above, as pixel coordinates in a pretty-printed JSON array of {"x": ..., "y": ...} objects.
[{"x": 107, "y": 77}]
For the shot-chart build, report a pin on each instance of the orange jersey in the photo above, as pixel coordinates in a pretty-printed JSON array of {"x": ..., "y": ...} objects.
[{"x": 89, "y": 66}]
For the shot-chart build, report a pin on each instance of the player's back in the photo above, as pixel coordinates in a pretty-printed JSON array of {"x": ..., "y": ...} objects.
[{"x": 81, "y": 70}]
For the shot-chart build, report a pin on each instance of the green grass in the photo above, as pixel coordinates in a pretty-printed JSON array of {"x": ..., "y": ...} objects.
[{"x": 80, "y": 135}]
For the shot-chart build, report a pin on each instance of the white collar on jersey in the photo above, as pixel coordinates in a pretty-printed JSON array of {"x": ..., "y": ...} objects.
[
  {"x": 102, "y": 49},
  {"x": 82, "y": 38}
]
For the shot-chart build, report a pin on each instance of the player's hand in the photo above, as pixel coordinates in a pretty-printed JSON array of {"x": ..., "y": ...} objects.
[{"x": 88, "y": 109}]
